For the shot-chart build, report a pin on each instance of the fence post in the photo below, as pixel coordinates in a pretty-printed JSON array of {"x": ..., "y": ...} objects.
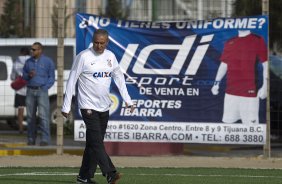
[
  {"x": 267, "y": 146},
  {"x": 60, "y": 76},
  {"x": 154, "y": 10}
]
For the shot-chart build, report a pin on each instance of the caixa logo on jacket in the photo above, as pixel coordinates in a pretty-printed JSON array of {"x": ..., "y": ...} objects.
[{"x": 102, "y": 74}]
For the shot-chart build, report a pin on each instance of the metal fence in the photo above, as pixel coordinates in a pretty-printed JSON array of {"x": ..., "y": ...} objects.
[{"x": 39, "y": 19}]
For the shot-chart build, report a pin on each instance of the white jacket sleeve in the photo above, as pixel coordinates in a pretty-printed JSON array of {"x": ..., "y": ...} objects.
[
  {"x": 70, "y": 88},
  {"x": 118, "y": 77},
  {"x": 13, "y": 73}
]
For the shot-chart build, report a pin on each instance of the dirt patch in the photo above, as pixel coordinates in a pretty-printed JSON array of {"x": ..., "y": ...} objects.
[{"x": 147, "y": 161}]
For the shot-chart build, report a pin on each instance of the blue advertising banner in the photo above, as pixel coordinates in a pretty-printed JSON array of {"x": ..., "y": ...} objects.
[{"x": 192, "y": 81}]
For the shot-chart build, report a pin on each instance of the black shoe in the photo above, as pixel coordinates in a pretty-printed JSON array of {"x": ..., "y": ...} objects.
[
  {"x": 44, "y": 144},
  {"x": 87, "y": 180},
  {"x": 113, "y": 178},
  {"x": 30, "y": 143}
]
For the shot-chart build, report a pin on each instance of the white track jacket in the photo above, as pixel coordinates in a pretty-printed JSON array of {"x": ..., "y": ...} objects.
[{"x": 93, "y": 74}]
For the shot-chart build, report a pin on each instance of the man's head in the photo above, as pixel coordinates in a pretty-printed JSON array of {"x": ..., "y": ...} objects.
[
  {"x": 36, "y": 49},
  {"x": 100, "y": 40},
  {"x": 24, "y": 51}
]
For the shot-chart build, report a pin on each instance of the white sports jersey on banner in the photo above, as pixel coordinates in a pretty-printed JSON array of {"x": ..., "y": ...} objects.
[{"x": 94, "y": 73}]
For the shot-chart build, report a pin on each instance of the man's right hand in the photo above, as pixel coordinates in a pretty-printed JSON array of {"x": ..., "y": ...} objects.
[
  {"x": 31, "y": 73},
  {"x": 66, "y": 115}
]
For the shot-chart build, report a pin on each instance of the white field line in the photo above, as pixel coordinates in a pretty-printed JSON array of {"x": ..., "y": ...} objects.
[{"x": 178, "y": 175}]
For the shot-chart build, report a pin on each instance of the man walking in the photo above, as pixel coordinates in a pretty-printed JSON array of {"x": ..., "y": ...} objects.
[{"x": 93, "y": 70}]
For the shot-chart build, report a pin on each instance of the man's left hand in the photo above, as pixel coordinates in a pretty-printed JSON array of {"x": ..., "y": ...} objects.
[{"x": 132, "y": 107}]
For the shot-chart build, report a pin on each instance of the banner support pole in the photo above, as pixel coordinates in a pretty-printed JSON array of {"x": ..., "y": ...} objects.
[
  {"x": 267, "y": 146},
  {"x": 60, "y": 78}
]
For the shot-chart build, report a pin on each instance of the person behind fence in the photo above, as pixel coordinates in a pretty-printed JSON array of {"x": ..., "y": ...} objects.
[
  {"x": 20, "y": 93},
  {"x": 39, "y": 71},
  {"x": 93, "y": 70}
]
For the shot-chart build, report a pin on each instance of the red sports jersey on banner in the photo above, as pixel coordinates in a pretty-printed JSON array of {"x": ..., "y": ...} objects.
[{"x": 241, "y": 55}]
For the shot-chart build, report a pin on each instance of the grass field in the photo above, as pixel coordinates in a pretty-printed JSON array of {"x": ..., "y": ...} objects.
[{"x": 21, "y": 175}]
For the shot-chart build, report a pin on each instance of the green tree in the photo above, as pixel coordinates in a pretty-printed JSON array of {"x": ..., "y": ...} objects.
[
  {"x": 254, "y": 7},
  {"x": 12, "y": 23},
  {"x": 114, "y": 9}
]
